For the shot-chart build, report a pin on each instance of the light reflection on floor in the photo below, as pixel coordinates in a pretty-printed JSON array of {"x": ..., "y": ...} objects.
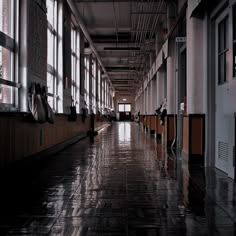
[{"x": 124, "y": 183}]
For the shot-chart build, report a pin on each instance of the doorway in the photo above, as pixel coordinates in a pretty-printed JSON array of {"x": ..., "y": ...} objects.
[{"x": 124, "y": 110}]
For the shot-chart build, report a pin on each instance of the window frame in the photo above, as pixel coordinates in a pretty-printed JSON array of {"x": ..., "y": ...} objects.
[
  {"x": 124, "y": 104},
  {"x": 75, "y": 65},
  {"x": 86, "y": 81},
  {"x": 99, "y": 88},
  {"x": 8, "y": 42},
  {"x": 94, "y": 84},
  {"x": 234, "y": 40},
  {"x": 224, "y": 50},
  {"x": 52, "y": 70}
]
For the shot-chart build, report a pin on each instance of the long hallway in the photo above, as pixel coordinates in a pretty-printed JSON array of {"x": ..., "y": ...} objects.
[{"x": 121, "y": 183}]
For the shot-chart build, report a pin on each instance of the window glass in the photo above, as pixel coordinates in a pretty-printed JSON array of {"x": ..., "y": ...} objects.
[
  {"x": 8, "y": 23},
  {"x": 50, "y": 47},
  {"x": 75, "y": 54},
  {"x": 121, "y": 108},
  {"x": 234, "y": 41},
  {"x": 127, "y": 107},
  {"x": 52, "y": 54},
  {"x": 6, "y": 94},
  {"x": 99, "y": 87},
  {"x": 222, "y": 50},
  {"x": 124, "y": 107},
  {"x": 5, "y": 64},
  {"x": 6, "y": 19}
]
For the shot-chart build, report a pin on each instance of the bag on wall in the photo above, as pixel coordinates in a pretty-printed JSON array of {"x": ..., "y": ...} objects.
[
  {"x": 73, "y": 113},
  {"x": 50, "y": 116},
  {"x": 36, "y": 105}
]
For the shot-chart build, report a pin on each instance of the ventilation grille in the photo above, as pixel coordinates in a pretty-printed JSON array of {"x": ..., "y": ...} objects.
[
  {"x": 233, "y": 155},
  {"x": 223, "y": 151}
]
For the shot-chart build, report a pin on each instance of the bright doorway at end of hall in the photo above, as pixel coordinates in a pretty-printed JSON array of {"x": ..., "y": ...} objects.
[{"x": 124, "y": 110}]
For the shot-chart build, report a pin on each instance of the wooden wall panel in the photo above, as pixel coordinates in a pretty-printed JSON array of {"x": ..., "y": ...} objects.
[
  {"x": 153, "y": 123},
  {"x": 20, "y": 138},
  {"x": 144, "y": 121},
  {"x": 148, "y": 122},
  {"x": 186, "y": 134},
  {"x": 171, "y": 128},
  {"x": 197, "y": 136},
  {"x": 159, "y": 128}
]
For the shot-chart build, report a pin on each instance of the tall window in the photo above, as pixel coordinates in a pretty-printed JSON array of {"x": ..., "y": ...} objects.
[
  {"x": 75, "y": 65},
  {"x": 8, "y": 37},
  {"x": 105, "y": 93},
  {"x": 86, "y": 82},
  {"x": 124, "y": 107},
  {"x": 52, "y": 16},
  {"x": 223, "y": 48},
  {"x": 234, "y": 41},
  {"x": 99, "y": 88},
  {"x": 93, "y": 85},
  {"x": 102, "y": 95}
]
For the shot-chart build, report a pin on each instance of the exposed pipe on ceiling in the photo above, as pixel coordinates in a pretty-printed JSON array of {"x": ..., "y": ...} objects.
[
  {"x": 147, "y": 22},
  {"x": 116, "y": 27},
  {"x": 144, "y": 18},
  {"x": 140, "y": 7},
  {"x": 100, "y": 1},
  {"x": 155, "y": 21},
  {"x": 86, "y": 34},
  {"x": 154, "y": 25}
]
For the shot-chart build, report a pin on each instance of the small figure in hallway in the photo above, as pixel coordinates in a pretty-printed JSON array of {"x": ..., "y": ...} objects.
[
  {"x": 136, "y": 117},
  {"x": 163, "y": 111},
  {"x": 158, "y": 110}
]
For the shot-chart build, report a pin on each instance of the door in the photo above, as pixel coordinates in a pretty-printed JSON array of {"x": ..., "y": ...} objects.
[{"x": 223, "y": 142}]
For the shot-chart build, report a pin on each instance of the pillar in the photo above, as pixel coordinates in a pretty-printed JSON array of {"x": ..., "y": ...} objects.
[
  {"x": 171, "y": 86},
  {"x": 194, "y": 121}
]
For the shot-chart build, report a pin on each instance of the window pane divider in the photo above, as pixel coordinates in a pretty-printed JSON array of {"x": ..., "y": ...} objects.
[
  {"x": 53, "y": 95},
  {"x": 7, "y": 42},
  {"x": 10, "y": 83},
  {"x": 223, "y": 52}
]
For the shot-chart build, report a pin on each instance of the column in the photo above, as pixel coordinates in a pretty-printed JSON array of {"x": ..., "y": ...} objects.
[
  {"x": 195, "y": 66},
  {"x": 171, "y": 86},
  {"x": 194, "y": 121}
]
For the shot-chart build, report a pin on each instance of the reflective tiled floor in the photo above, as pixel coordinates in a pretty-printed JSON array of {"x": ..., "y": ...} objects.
[{"x": 121, "y": 184}]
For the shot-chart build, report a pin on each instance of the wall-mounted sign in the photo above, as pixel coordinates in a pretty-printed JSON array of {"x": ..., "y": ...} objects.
[{"x": 180, "y": 39}]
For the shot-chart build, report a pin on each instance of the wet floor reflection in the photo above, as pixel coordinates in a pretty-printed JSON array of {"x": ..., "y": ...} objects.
[
  {"x": 124, "y": 133},
  {"x": 123, "y": 183}
]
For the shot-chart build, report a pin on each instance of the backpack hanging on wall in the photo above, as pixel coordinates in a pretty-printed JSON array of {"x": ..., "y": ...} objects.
[
  {"x": 50, "y": 116},
  {"x": 73, "y": 113},
  {"x": 36, "y": 105}
]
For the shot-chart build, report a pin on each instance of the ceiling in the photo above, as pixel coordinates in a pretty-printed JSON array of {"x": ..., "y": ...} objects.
[{"x": 123, "y": 33}]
